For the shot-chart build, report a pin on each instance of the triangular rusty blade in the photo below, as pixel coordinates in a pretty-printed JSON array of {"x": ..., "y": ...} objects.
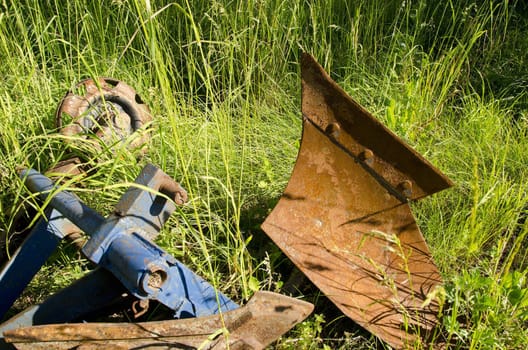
[
  {"x": 254, "y": 326},
  {"x": 344, "y": 219}
]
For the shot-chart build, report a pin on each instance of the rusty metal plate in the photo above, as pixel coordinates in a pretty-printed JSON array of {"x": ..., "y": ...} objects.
[
  {"x": 107, "y": 108},
  {"x": 254, "y": 326},
  {"x": 344, "y": 217}
]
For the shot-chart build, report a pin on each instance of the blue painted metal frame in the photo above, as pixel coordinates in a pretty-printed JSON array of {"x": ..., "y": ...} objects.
[
  {"x": 90, "y": 294},
  {"x": 29, "y": 258},
  {"x": 122, "y": 244}
]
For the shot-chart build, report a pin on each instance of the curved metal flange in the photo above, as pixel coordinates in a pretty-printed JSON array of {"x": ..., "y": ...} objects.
[
  {"x": 344, "y": 217},
  {"x": 107, "y": 108}
]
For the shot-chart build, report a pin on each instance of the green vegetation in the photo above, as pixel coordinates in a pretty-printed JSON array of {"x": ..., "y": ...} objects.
[{"x": 222, "y": 80}]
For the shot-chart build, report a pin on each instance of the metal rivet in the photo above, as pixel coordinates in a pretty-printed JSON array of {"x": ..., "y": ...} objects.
[
  {"x": 333, "y": 129},
  {"x": 367, "y": 156},
  {"x": 406, "y": 188}
]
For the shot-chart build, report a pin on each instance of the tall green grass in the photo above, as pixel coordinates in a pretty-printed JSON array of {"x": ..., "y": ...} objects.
[{"x": 222, "y": 80}]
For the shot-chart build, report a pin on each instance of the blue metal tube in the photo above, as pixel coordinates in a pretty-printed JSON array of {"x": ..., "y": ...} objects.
[
  {"x": 26, "y": 262},
  {"x": 67, "y": 204}
]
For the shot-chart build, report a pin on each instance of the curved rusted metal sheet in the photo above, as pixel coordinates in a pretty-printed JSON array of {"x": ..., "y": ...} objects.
[
  {"x": 254, "y": 326},
  {"x": 344, "y": 217}
]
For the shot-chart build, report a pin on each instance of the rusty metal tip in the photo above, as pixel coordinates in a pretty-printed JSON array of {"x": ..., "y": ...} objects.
[
  {"x": 249, "y": 327},
  {"x": 307, "y": 58}
]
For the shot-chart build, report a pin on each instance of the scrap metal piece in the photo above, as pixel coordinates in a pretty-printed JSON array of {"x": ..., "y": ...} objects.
[
  {"x": 344, "y": 217},
  {"x": 69, "y": 167},
  {"x": 107, "y": 108},
  {"x": 254, "y": 326}
]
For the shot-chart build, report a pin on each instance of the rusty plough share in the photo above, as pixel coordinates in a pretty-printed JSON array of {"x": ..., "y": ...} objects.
[{"x": 344, "y": 220}]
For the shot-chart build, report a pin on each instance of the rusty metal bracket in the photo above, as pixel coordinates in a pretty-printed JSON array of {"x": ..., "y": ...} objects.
[{"x": 344, "y": 217}]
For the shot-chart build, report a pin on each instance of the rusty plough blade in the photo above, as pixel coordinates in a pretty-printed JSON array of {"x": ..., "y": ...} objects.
[
  {"x": 344, "y": 218},
  {"x": 254, "y": 326}
]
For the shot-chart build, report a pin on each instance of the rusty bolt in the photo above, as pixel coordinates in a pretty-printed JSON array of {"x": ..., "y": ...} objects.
[
  {"x": 367, "y": 156},
  {"x": 333, "y": 130},
  {"x": 153, "y": 279},
  {"x": 405, "y": 188},
  {"x": 180, "y": 197}
]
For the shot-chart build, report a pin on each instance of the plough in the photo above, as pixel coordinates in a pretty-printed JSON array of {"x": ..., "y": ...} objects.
[
  {"x": 344, "y": 220},
  {"x": 130, "y": 264}
]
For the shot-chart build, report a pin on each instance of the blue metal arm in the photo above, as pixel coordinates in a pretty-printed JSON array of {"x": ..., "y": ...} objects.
[
  {"x": 122, "y": 243},
  {"x": 28, "y": 259}
]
